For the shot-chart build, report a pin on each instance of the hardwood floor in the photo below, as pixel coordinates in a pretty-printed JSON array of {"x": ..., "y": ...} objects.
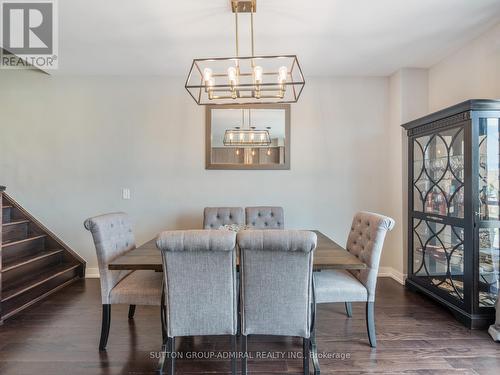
[{"x": 415, "y": 336}]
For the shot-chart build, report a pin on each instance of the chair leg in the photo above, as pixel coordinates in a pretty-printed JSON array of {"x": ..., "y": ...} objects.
[
  {"x": 348, "y": 309},
  {"x": 233, "y": 357},
  {"x": 306, "y": 344},
  {"x": 370, "y": 323},
  {"x": 244, "y": 360},
  {"x": 312, "y": 340},
  {"x": 163, "y": 324},
  {"x": 163, "y": 358},
  {"x": 131, "y": 311},
  {"x": 106, "y": 321},
  {"x": 171, "y": 363},
  {"x": 163, "y": 316}
]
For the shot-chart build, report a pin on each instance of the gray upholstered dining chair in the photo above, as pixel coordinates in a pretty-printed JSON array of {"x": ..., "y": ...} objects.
[
  {"x": 113, "y": 236},
  {"x": 215, "y": 217},
  {"x": 200, "y": 286},
  {"x": 276, "y": 285},
  {"x": 365, "y": 240},
  {"x": 265, "y": 217}
]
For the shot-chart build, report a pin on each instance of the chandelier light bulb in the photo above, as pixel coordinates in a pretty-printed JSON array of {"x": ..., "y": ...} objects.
[
  {"x": 232, "y": 75},
  {"x": 237, "y": 151},
  {"x": 269, "y": 152},
  {"x": 253, "y": 152},
  {"x": 207, "y": 74},
  {"x": 262, "y": 137},
  {"x": 241, "y": 136},
  {"x": 257, "y": 73},
  {"x": 282, "y": 74},
  {"x": 231, "y": 136},
  {"x": 211, "y": 82}
]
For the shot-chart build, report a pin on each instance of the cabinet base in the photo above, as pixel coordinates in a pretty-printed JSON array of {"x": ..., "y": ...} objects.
[{"x": 472, "y": 321}]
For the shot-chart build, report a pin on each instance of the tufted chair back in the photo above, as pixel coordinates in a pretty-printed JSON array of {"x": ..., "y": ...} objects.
[
  {"x": 113, "y": 236},
  {"x": 265, "y": 217},
  {"x": 215, "y": 217},
  {"x": 366, "y": 240},
  {"x": 200, "y": 281},
  {"x": 276, "y": 279}
]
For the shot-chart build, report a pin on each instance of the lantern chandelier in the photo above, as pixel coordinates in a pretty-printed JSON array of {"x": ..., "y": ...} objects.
[
  {"x": 245, "y": 80},
  {"x": 246, "y": 137}
]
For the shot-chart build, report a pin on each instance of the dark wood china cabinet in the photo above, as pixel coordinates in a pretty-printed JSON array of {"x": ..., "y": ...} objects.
[{"x": 454, "y": 208}]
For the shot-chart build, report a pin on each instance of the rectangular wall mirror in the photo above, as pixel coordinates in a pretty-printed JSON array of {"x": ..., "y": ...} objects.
[{"x": 254, "y": 136}]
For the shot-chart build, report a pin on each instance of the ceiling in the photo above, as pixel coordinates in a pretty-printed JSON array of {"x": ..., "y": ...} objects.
[{"x": 330, "y": 37}]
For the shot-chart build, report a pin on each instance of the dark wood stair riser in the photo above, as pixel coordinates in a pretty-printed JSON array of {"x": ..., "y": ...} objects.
[
  {"x": 6, "y": 214},
  {"x": 23, "y": 249},
  {"x": 32, "y": 294},
  {"x": 9, "y": 278},
  {"x": 15, "y": 232},
  {"x": 14, "y": 214},
  {"x": 34, "y": 262}
]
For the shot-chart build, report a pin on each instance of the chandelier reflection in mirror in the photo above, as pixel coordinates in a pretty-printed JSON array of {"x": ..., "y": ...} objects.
[
  {"x": 245, "y": 80},
  {"x": 246, "y": 137}
]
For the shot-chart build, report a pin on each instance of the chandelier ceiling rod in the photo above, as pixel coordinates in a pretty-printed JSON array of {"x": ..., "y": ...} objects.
[
  {"x": 251, "y": 30},
  {"x": 237, "y": 36},
  {"x": 237, "y": 33}
]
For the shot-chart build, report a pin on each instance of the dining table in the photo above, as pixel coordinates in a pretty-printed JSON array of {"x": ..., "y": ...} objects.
[{"x": 328, "y": 255}]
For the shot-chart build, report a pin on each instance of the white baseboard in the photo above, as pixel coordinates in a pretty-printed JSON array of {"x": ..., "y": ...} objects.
[
  {"x": 392, "y": 273},
  {"x": 92, "y": 273}
]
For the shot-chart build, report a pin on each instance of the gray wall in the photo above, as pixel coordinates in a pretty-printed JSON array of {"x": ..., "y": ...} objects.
[
  {"x": 472, "y": 72},
  {"x": 69, "y": 144}
]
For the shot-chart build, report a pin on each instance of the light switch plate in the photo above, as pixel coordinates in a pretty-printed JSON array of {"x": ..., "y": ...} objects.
[{"x": 126, "y": 193}]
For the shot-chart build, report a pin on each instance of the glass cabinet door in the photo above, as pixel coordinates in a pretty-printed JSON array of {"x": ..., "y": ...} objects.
[
  {"x": 438, "y": 173},
  {"x": 488, "y": 210},
  {"x": 438, "y": 256},
  {"x": 438, "y": 206}
]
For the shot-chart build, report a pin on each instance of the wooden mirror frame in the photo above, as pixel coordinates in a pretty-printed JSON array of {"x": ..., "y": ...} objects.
[{"x": 208, "y": 138}]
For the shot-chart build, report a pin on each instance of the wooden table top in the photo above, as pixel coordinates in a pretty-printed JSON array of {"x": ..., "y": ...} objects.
[{"x": 328, "y": 255}]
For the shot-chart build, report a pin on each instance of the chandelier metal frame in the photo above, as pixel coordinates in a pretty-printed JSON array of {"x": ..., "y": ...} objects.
[
  {"x": 245, "y": 79},
  {"x": 250, "y": 136}
]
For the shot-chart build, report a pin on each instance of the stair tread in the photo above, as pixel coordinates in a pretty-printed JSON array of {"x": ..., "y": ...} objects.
[
  {"x": 6, "y": 206},
  {"x": 15, "y": 222},
  {"x": 11, "y": 243},
  {"x": 7, "y": 266},
  {"x": 26, "y": 283}
]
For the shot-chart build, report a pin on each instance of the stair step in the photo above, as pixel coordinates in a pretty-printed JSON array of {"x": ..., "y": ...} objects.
[
  {"x": 12, "y": 243},
  {"x": 16, "y": 230},
  {"x": 6, "y": 214},
  {"x": 15, "y": 223},
  {"x": 29, "y": 282},
  {"x": 7, "y": 266},
  {"x": 34, "y": 262}
]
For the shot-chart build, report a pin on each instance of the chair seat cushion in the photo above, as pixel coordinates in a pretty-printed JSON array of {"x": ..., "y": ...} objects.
[
  {"x": 138, "y": 288},
  {"x": 338, "y": 286}
]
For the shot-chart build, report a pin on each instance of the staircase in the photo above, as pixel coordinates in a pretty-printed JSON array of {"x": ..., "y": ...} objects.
[{"x": 34, "y": 263}]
